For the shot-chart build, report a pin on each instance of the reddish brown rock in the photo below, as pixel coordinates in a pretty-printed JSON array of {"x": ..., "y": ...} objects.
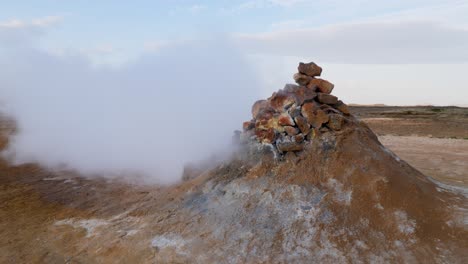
[
  {"x": 342, "y": 107},
  {"x": 310, "y": 69},
  {"x": 302, "y": 124},
  {"x": 328, "y": 109},
  {"x": 299, "y": 138},
  {"x": 291, "y": 88},
  {"x": 313, "y": 134},
  {"x": 285, "y": 120},
  {"x": 303, "y": 94},
  {"x": 291, "y": 131},
  {"x": 321, "y": 85},
  {"x": 248, "y": 125},
  {"x": 265, "y": 136},
  {"x": 320, "y": 118},
  {"x": 336, "y": 122},
  {"x": 295, "y": 111},
  {"x": 327, "y": 98},
  {"x": 302, "y": 79},
  {"x": 281, "y": 100},
  {"x": 285, "y": 146},
  {"x": 308, "y": 110},
  {"x": 259, "y": 106},
  {"x": 314, "y": 115}
]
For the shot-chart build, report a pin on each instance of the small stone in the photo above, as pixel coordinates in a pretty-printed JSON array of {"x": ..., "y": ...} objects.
[
  {"x": 290, "y": 88},
  {"x": 307, "y": 111},
  {"x": 314, "y": 115},
  {"x": 302, "y": 79},
  {"x": 303, "y": 94},
  {"x": 281, "y": 100},
  {"x": 248, "y": 125},
  {"x": 259, "y": 106},
  {"x": 295, "y": 111},
  {"x": 302, "y": 124},
  {"x": 285, "y": 146},
  {"x": 327, "y": 98},
  {"x": 298, "y": 138},
  {"x": 342, "y": 107},
  {"x": 320, "y": 118},
  {"x": 290, "y": 156},
  {"x": 324, "y": 129},
  {"x": 313, "y": 134},
  {"x": 291, "y": 131},
  {"x": 336, "y": 122},
  {"x": 285, "y": 120},
  {"x": 321, "y": 85},
  {"x": 266, "y": 136},
  {"x": 310, "y": 69},
  {"x": 328, "y": 109}
]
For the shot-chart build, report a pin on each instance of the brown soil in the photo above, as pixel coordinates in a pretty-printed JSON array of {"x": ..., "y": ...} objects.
[{"x": 427, "y": 121}]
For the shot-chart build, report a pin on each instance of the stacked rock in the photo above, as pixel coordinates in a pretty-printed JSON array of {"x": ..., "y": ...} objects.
[{"x": 297, "y": 114}]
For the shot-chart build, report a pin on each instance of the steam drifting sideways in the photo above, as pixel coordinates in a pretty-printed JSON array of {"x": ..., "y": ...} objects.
[{"x": 150, "y": 116}]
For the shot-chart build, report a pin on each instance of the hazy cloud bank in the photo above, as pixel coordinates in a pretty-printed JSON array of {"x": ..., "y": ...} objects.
[{"x": 397, "y": 42}]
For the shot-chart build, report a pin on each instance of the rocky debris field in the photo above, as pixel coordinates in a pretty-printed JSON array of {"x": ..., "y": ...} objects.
[{"x": 296, "y": 114}]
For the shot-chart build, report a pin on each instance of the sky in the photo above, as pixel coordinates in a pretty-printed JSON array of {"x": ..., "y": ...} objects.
[
  {"x": 357, "y": 40},
  {"x": 161, "y": 78}
]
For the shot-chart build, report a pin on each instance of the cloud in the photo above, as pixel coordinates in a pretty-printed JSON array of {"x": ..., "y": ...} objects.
[
  {"x": 267, "y": 3},
  {"x": 366, "y": 42},
  {"x": 25, "y": 32},
  {"x": 41, "y": 22},
  {"x": 197, "y": 8},
  {"x": 47, "y": 21},
  {"x": 13, "y": 23}
]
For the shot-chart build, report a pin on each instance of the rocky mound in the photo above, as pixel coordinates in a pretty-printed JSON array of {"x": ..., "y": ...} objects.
[
  {"x": 312, "y": 184},
  {"x": 297, "y": 114}
]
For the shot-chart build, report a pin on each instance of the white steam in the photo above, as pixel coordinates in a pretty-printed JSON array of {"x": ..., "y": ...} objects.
[{"x": 151, "y": 116}]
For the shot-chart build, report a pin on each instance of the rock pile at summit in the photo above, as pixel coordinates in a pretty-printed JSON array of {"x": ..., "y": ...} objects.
[{"x": 295, "y": 115}]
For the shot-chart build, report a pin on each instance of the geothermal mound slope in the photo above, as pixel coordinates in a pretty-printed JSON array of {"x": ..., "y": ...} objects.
[{"x": 312, "y": 184}]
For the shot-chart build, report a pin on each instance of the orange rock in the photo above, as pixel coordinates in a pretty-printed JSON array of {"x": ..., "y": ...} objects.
[
  {"x": 291, "y": 131},
  {"x": 314, "y": 115},
  {"x": 302, "y": 124},
  {"x": 285, "y": 146},
  {"x": 285, "y": 120},
  {"x": 310, "y": 69},
  {"x": 302, "y": 79},
  {"x": 327, "y": 98},
  {"x": 308, "y": 110},
  {"x": 258, "y": 106},
  {"x": 266, "y": 136},
  {"x": 342, "y": 107},
  {"x": 321, "y": 85},
  {"x": 281, "y": 100},
  {"x": 299, "y": 138}
]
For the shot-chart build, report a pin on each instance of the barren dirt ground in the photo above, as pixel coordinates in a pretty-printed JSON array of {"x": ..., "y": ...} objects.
[
  {"x": 432, "y": 139},
  {"x": 34, "y": 200}
]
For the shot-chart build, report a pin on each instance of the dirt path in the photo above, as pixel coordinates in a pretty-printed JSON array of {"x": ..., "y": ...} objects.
[{"x": 443, "y": 159}]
